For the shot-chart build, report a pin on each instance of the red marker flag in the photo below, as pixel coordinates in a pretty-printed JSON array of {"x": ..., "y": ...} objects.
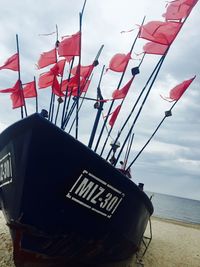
[
  {"x": 119, "y": 62},
  {"x": 121, "y": 93},
  {"x": 13, "y": 89},
  {"x": 17, "y": 99},
  {"x": 68, "y": 58},
  {"x": 160, "y": 32},
  {"x": 114, "y": 116},
  {"x": 154, "y": 48},
  {"x": 178, "y": 90},
  {"x": 12, "y": 63},
  {"x": 85, "y": 71},
  {"x": 56, "y": 88},
  {"x": 179, "y": 9},
  {"x": 75, "y": 90},
  {"x": 47, "y": 58},
  {"x": 70, "y": 46},
  {"x": 16, "y": 95},
  {"x": 45, "y": 80},
  {"x": 85, "y": 86},
  {"x": 58, "y": 68},
  {"x": 29, "y": 90}
]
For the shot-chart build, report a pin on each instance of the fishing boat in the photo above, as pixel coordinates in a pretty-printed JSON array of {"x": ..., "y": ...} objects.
[{"x": 64, "y": 202}]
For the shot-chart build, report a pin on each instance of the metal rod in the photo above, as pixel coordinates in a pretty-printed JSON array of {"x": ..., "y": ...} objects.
[
  {"x": 100, "y": 108},
  {"x": 140, "y": 109},
  {"x": 157, "y": 128},
  {"x": 133, "y": 109},
  {"x": 19, "y": 77},
  {"x": 119, "y": 84}
]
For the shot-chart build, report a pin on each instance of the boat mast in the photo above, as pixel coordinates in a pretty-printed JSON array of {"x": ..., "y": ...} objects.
[
  {"x": 168, "y": 113},
  {"x": 68, "y": 116},
  {"x": 20, "y": 82},
  {"x": 78, "y": 69},
  {"x": 99, "y": 110},
  {"x": 118, "y": 87}
]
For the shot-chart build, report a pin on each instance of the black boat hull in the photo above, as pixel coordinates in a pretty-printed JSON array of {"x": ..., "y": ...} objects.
[{"x": 63, "y": 203}]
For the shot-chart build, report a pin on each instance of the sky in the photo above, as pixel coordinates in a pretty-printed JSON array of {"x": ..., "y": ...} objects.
[{"x": 171, "y": 162}]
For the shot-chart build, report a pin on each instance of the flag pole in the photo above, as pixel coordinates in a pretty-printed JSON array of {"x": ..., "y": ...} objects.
[
  {"x": 60, "y": 100},
  {"x": 128, "y": 150},
  {"x": 78, "y": 72},
  {"x": 99, "y": 110},
  {"x": 65, "y": 109},
  {"x": 109, "y": 132},
  {"x": 19, "y": 77},
  {"x": 133, "y": 109},
  {"x": 36, "y": 99},
  {"x": 141, "y": 107},
  {"x": 167, "y": 114},
  {"x": 119, "y": 84},
  {"x": 52, "y": 101},
  {"x": 82, "y": 100},
  {"x": 79, "y": 68},
  {"x": 95, "y": 63},
  {"x": 162, "y": 59},
  {"x": 144, "y": 89}
]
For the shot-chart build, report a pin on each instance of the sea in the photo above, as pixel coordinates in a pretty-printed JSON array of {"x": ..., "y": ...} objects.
[{"x": 175, "y": 208}]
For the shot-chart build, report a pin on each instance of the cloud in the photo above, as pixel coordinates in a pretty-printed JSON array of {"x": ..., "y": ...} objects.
[{"x": 170, "y": 164}]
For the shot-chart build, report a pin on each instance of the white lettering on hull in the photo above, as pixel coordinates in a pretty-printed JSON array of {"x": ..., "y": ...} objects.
[
  {"x": 5, "y": 170},
  {"x": 95, "y": 194}
]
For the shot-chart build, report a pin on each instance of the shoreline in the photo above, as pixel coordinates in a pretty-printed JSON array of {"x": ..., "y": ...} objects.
[
  {"x": 177, "y": 222},
  {"x": 174, "y": 243}
]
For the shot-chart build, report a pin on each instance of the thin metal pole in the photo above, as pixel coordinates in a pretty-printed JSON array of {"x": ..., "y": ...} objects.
[
  {"x": 157, "y": 128},
  {"x": 19, "y": 78},
  {"x": 67, "y": 117},
  {"x": 100, "y": 108},
  {"x": 36, "y": 99},
  {"x": 133, "y": 109},
  {"x": 140, "y": 109},
  {"x": 119, "y": 84},
  {"x": 65, "y": 110},
  {"x": 52, "y": 101}
]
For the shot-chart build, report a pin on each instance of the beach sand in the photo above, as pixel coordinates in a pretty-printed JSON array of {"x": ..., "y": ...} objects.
[{"x": 174, "y": 244}]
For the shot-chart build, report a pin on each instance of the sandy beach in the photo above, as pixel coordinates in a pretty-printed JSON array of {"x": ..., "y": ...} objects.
[{"x": 174, "y": 244}]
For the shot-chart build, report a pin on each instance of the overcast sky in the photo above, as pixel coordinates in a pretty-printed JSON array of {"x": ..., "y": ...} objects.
[{"x": 171, "y": 162}]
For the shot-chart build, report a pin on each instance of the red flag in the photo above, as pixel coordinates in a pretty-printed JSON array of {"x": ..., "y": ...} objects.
[
  {"x": 12, "y": 63},
  {"x": 58, "y": 68},
  {"x": 17, "y": 99},
  {"x": 178, "y": 90},
  {"x": 75, "y": 91},
  {"x": 179, "y": 9},
  {"x": 29, "y": 90},
  {"x": 13, "y": 89},
  {"x": 64, "y": 85},
  {"x": 114, "y": 116},
  {"x": 56, "y": 88},
  {"x": 68, "y": 58},
  {"x": 160, "y": 32},
  {"x": 47, "y": 58},
  {"x": 121, "y": 93},
  {"x": 119, "y": 62},
  {"x": 86, "y": 86},
  {"x": 154, "y": 48},
  {"x": 70, "y": 46},
  {"x": 45, "y": 80},
  {"x": 72, "y": 85},
  {"x": 73, "y": 81},
  {"x": 85, "y": 71},
  {"x": 16, "y": 95}
]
